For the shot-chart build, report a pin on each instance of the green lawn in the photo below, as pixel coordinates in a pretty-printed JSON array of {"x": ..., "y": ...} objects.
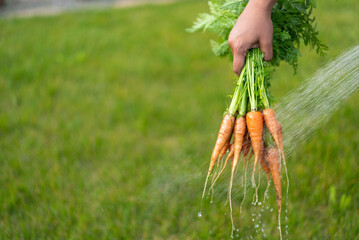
[{"x": 108, "y": 118}]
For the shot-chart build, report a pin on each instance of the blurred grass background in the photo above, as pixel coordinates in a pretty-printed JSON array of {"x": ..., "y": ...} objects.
[{"x": 108, "y": 118}]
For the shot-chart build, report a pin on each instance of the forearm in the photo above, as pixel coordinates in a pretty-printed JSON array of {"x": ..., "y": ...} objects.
[{"x": 264, "y": 4}]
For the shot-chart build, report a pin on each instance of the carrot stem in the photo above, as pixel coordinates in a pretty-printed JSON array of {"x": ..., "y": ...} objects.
[
  {"x": 243, "y": 104},
  {"x": 233, "y": 107}
]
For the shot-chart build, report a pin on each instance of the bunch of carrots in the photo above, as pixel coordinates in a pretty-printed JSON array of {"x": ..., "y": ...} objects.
[
  {"x": 249, "y": 126},
  {"x": 243, "y": 126}
]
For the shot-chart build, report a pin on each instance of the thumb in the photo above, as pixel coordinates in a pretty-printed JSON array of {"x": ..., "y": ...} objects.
[
  {"x": 238, "y": 62},
  {"x": 267, "y": 48}
]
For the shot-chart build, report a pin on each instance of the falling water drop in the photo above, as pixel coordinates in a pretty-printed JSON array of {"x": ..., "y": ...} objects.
[{"x": 199, "y": 214}]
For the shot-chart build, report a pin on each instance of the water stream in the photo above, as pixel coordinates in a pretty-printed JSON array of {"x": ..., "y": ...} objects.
[{"x": 311, "y": 105}]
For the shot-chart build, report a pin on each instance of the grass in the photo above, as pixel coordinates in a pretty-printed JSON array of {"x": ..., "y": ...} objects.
[{"x": 108, "y": 118}]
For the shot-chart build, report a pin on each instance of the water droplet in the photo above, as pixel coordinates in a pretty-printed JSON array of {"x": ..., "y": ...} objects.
[
  {"x": 259, "y": 203},
  {"x": 271, "y": 209},
  {"x": 253, "y": 219},
  {"x": 237, "y": 235},
  {"x": 259, "y": 215},
  {"x": 232, "y": 235},
  {"x": 256, "y": 226},
  {"x": 237, "y": 229},
  {"x": 199, "y": 214}
]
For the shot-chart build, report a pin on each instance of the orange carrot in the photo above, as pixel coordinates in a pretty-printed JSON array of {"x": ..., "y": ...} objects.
[
  {"x": 264, "y": 163},
  {"x": 271, "y": 123},
  {"x": 265, "y": 167},
  {"x": 245, "y": 165},
  {"x": 217, "y": 173},
  {"x": 230, "y": 154},
  {"x": 255, "y": 129},
  {"x": 280, "y": 136},
  {"x": 224, "y": 150},
  {"x": 224, "y": 134},
  {"x": 246, "y": 147},
  {"x": 272, "y": 158},
  {"x": 229, "y": 157},
  {"x": 239, "y": 131}
]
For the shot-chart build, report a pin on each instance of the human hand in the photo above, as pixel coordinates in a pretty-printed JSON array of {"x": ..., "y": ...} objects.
[{"x": 253, "y": 29}]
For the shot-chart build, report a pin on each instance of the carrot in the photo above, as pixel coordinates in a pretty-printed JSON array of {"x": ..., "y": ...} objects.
[
  {"x": 229, "y": 157},
  {"x": 271, "y": 123},
  {"x": 224, "y": 134},
  {"x": 280, "y": 136},
  {"x": 265, "y": 167},
  {"x": 264, "y": 163},
  {"x": 272, "y": 158},
  {"x": 224, "y": 150},
  {"x": 246, "y": 147},
  {"x": 275, "y": 128},
  {"x": 255, "y": 129},
  {"x": 245, "y": 165},
  {"x": 239, "y": 131},
  {"x": 216, "y": 174}
]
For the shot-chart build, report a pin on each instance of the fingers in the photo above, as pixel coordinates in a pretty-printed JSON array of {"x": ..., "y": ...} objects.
[
  {"x": 266, "y": 47},
  {"x": 240, "y": 49},
  {"x": 238, "y": 62},
  {"x": 239, "y": 52}
]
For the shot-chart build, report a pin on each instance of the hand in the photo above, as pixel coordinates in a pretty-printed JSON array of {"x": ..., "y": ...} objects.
[{"x": 253, "y": 29}]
